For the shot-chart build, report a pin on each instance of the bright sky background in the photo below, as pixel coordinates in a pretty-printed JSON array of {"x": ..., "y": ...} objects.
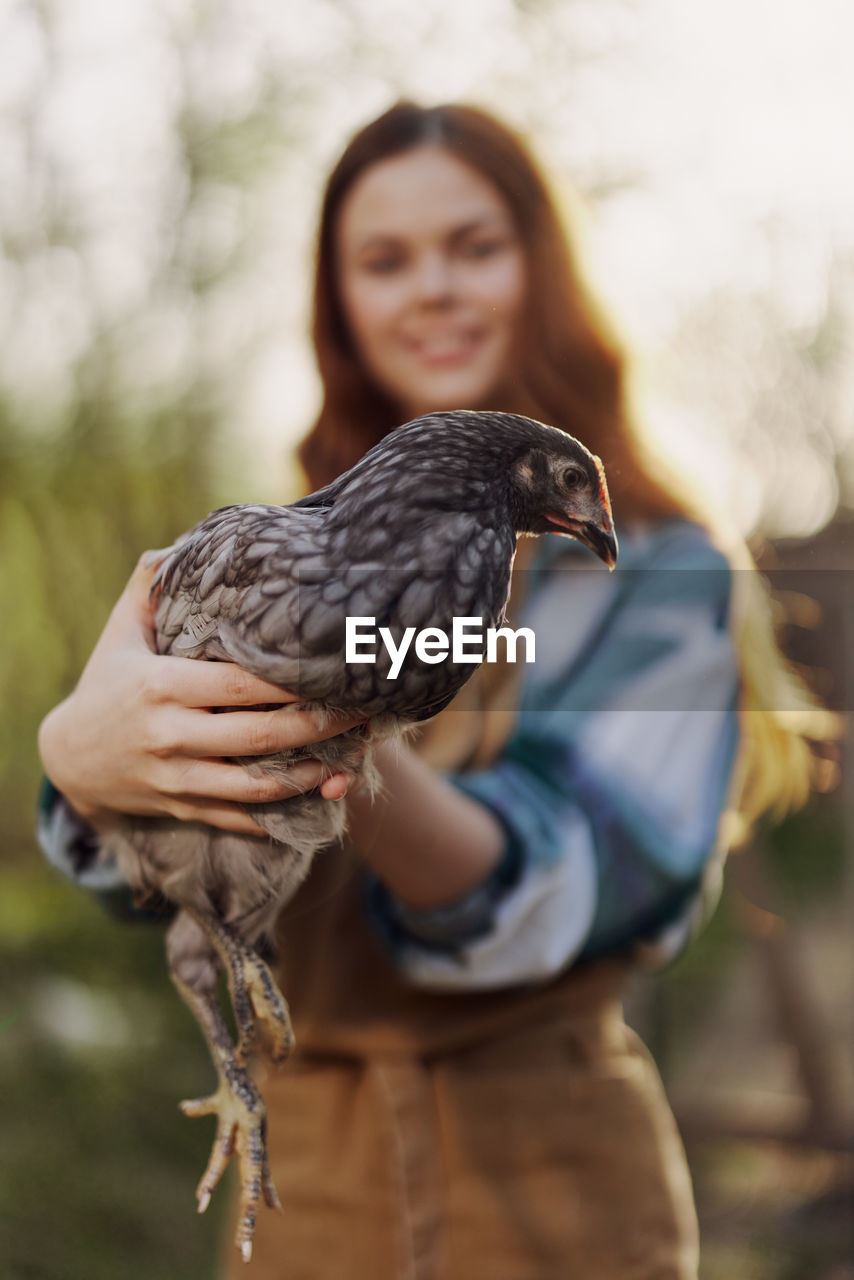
[{"x": 711, "y": 144}]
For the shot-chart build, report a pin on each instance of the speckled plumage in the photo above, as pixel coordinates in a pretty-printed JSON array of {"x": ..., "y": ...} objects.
[{"x": 422, "y": 530}]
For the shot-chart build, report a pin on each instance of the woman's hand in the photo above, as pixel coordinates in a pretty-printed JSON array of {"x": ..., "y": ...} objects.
[{"x": 138, "y": 736}]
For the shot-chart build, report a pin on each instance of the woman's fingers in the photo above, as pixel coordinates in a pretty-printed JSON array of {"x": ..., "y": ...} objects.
[
  {"x": 215, "y": 684},
  {"x": 219, "y": 780},
  {"x": 336, "y": 787},
  {"x": 255, "y": 733},
  {"x": 231, "y": 817}
]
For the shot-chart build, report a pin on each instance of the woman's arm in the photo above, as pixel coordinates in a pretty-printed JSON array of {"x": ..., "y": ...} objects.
[
  {"x": 138, "y": 734},
  {"x": 427, "y": 841}
]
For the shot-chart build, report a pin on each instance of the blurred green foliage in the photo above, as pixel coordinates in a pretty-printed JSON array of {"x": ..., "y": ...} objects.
[
  {"x": 809, "y": 853},
  {"x": 75, "y": 514}
]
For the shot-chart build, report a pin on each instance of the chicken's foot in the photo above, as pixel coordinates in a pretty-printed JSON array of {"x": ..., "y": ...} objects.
[
  {"x": 241, "y": 1119},
  {"x": 258, "y": 1004}
]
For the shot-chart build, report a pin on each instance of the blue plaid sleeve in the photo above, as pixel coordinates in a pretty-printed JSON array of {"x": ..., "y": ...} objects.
[{"x": 73, "y": 847}]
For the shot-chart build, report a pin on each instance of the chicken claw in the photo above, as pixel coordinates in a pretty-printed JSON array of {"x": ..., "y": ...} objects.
[{"x": 241, "y": 1131}]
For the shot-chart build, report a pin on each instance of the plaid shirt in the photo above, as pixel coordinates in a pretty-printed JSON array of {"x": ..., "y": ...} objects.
[{"x": 610, "y": 788}]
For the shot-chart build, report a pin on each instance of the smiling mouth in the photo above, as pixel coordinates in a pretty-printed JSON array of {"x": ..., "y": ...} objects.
[{"x": 446, "y": 348}]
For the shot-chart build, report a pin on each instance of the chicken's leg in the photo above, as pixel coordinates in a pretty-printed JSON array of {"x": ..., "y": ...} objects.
[
  {"x": 192, "y": 950},
  {"x": 255, "y": 997},
  {"x": 241, "y": 1119}
]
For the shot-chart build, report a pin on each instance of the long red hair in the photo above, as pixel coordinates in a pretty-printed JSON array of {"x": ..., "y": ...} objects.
[{"x": 569, "y": 369}]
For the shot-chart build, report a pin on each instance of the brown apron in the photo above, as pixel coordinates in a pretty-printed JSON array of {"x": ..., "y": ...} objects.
[{"x": 513, "y": 1135}]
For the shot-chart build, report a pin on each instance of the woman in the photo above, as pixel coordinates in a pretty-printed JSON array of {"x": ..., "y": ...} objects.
[{"x": 466, "y": 1099}]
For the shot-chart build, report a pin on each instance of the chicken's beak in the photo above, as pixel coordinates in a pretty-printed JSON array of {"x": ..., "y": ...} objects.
[
  {"x": 596, "y": 534},
  {"x": 600, "y": 537}
]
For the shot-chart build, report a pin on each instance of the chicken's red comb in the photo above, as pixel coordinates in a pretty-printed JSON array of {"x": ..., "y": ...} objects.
[{"x": 603, "y": 486}]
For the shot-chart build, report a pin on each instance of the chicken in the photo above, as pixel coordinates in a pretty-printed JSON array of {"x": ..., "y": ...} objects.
[{"x": 420, "y": 531}]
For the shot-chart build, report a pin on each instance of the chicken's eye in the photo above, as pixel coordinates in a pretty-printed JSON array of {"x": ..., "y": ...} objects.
[{"x": 573, "y": 479}]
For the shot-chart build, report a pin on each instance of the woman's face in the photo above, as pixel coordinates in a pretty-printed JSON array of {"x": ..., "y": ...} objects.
[{"x": 432, "y": 277}]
